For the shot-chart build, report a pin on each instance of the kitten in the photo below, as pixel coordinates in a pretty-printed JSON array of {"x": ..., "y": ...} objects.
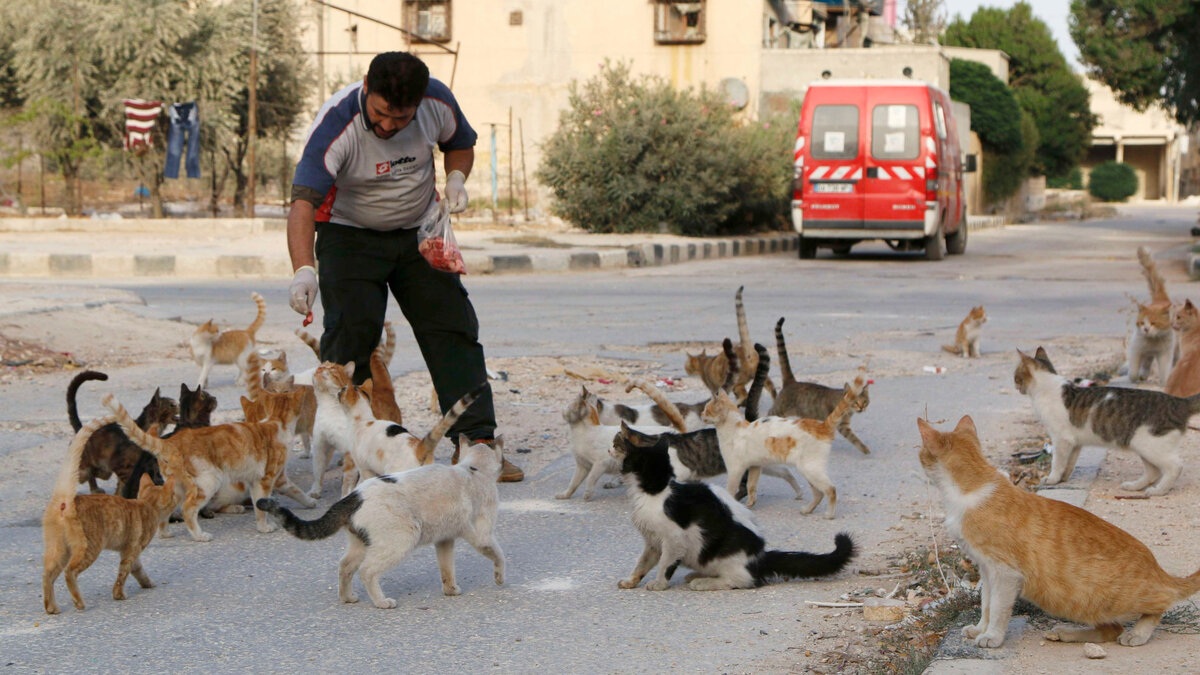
[
  {"x": 702, "y": 527},
  {"x": 76, "y": 528},
  {"x": 109, "y": 451},
  {"x": 383, "y": 447},
  {"x": 1152, "y": 343},
  {"x": 388, "y": 517},
  {"x": 1185, "y": 376},
  {"x": 1149, "y": 423},
  {"x": 212, "y": 346},
  {"x": 1065, "y": 560},
  {"x": 966, "y": 339},
  {"x": 803, "y": 443},
  {"x": 204, "y": 459},
  {"x": 713, "y": 369},
  {"x": 815, "y": 401}
]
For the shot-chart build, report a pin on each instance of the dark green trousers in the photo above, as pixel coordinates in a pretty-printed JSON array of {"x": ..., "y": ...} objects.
[{"x": 357, "y": 267}]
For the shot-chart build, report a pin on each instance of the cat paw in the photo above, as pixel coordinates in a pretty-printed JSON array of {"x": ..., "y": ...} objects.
[
  {"x": 1051, "y": 480},
  {"x": 751, "y": 502},
  {"x": 1132, "y": 638},
  {"x": 1157, "y": 491},
  {"x": 79, "y": 605},
  {"x": 989, "y": 640},
  {"x": 202, "y": 536},
  {"x": 350, "y": 599},
  {"x": 165, "y": 534},
  {"x": 499, "y": 577},
  {"x": 612, "y": 485},
  {"x": 1052, "y": 636},
  {"x": 233, "y": 509},
  {"x": 52, "y": 609},
  {"x": 118, "y": 594},
  {"x": 658, "y": 585},
  {"x": 266, "y": 526},
  {"x": 1134, "y": 486},
  {"x": 587, "y": 496},
  {"x": 303, "y": 454},
  {"x": 451, "y": 590},
  {"x": 626, "y": 584},
  {"x": 830, "y": 515},
  {"x": 972, "y": 632},
  {"x": 565, "y": 495},
  {"x": 386, "y": 603}
]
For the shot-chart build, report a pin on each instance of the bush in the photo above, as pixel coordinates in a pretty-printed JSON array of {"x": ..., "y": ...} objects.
[
  {"x": 1073, "y": 180},
  {"x": 631, "y": 153},
  {"x": 1113, "y": 182}
]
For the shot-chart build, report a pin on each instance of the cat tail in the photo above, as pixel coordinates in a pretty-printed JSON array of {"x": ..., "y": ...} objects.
[
  {"x": 313, "y": 343},
  {"x": 953, "y": 349},
  {"x": 63, "y": 497},
  {"x": 72, "y": 411},
  {"x": 664, "y": 404},
  {"x": 743, "y": 327},
  {"x": 1193, "y": 404},
  {"x": 388, "y": 346},
  {"x": 843, "y": 407},
  {"x": 435, "y": 435},
  {"x": 135, "y": 433},
  {"x": 772, "y": 565},
  {"x": 1158, "y": 286},
  {"x": 756, "y": 387},
  {"x": 254, "y": 375},
  {"x": 732, "y": 363},
  {"x": 785, "y": 366},
  {"x": 258, "y": 318},
  {"x": 322, "y": 528}
]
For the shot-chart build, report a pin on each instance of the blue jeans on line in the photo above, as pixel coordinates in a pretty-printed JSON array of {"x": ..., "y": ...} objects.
[{"x": 185, "y": 117}]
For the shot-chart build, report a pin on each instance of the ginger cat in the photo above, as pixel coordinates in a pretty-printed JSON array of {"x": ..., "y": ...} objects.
[
  {"x": 966, "y": 339},
  {"x": 1152, "y": 343},
  {"x": 1072, "y": 564},
  {"x": 76, "y": 528},
  {"x": 379, "y": 388},
  {"x": 1185, "y": 376},
  {"x": 300, "y": 396},
  {"x": 712, "y": 370},
  {"x": 212, "y": 346}
]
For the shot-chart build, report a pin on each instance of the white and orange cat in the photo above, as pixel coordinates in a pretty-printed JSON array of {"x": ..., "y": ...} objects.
[
  {"x": 211, "y": 346},
  {"x": 1152, "y": 342},
  {"x": 1185, "y": 376},
  {"x": 1072, "y": 564},
  {"x": 966, "y": 338}
]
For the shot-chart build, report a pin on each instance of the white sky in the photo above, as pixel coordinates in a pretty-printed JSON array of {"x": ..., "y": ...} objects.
[{"x": 1053, "y": 12}]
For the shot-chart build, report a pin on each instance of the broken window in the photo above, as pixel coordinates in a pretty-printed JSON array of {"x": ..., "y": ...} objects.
[
  {"x": 678, "y": 22},
  {"x": 428, "y": 19}
]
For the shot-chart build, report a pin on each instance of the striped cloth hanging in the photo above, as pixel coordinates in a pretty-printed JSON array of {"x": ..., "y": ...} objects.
[{"x": 140, "y": 117}]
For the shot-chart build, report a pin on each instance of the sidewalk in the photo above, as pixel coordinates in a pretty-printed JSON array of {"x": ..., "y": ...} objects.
[{"x": 206, "y": 248}]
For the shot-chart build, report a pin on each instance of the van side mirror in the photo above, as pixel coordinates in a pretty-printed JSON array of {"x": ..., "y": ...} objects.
[{"x": 971, "y": 165}]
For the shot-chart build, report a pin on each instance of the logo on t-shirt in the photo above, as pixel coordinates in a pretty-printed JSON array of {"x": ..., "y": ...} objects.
[
  {"x": 395, "y": 168},
  {"x": 383, "y": 168}
]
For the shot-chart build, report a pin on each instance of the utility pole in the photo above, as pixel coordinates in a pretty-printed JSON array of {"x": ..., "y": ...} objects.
[{"x": 252, "y": 115}]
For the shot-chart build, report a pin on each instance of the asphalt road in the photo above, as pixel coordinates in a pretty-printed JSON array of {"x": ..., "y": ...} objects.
[{"x": 267, "y": 602}]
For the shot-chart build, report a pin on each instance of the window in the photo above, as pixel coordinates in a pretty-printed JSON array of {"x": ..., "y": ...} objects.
[
  {"x": 678, "y": 22},
  {"x": 429, "y": 19},
  {"x": 895, "y": 133},
  {"x": 835, "y": 132},
  {"x": 939, "y": 119}
]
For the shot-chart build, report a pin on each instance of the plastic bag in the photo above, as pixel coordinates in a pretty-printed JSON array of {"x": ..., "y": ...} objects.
[{"x": 435, "y": 240}]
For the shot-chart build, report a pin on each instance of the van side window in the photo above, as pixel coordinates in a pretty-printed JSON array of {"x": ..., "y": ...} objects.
[
  {"x": 939, "y": 120},
  {"x": 895, "y": 132},
  {"x": 834, "y": 132}
]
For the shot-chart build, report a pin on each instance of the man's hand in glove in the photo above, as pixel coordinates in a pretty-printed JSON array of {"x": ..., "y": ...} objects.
[
  {"x": 456, "y": 192},
  {"x": 303, "y": 290}
]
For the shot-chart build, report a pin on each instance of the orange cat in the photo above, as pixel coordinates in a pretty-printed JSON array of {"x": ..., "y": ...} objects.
[
  {"x": 1065, "y": 560},
  {"x": 299, "y": 396},
  {"x": 75, "y": 528},
  {"x": 379, "y": 389},
  {"x": 1185, "y": 376},
  {"x": 713, "y": 369},
  {"x": 966, "y": 339},
  {"x": 1152, "y": 343},
  {"x": 212, "y": 346}
]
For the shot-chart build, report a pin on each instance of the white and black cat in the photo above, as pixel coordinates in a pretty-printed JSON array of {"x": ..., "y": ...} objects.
[{"x": 703, "y": 528}]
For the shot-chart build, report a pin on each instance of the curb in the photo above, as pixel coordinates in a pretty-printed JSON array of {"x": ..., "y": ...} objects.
[
  {"x": 255, "y": 266},
  {"x": 1193, "y": 266}
]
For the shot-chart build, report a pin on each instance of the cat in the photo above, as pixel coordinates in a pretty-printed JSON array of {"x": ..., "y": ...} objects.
[
  {"x": 966, "y": 339},
  {"x": 333, "y": 430},
  {"x": 388, "y": 517},
  {"x": 388, "y": 346},
  {"x": 613, "y": 414},
  {"x": 1069, "y": 562},
  {"x": 814, "y": 401},
  {"x": 802, "y": 443},
  {"x": 212, "y": 346},
  {"x": 302, "y": 396},
  {"x": 1185, "y": 376},
  {"x": 379, "y": 388},
  {"x": 76, "y": 528},
  {"x": 275, "y": 370},
  {"x": 109, "y": 451},
  {"x": 1152, "y": 342},
  {"x": 1149, "y": 423},
  {"x": 196, "y": 407},
  {"x": 713, "y": 369},
  {"x": 202, "y": 460},
  {"x": 702, "y": 527}
]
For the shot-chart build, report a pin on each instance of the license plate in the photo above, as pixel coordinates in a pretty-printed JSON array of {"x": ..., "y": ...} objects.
[{"x": 833, "y": 187}]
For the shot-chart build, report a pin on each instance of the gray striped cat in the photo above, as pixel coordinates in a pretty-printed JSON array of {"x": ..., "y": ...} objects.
[
  {"x": 813, "y": 401},
  {"x": 1149, "y": 423}
]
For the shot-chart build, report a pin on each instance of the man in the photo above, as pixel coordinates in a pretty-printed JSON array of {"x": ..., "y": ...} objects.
[{"x": 364, "y": 181}]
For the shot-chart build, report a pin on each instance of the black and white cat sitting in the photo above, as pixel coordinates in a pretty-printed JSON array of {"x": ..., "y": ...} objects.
[{"x": 703, "y": 528}]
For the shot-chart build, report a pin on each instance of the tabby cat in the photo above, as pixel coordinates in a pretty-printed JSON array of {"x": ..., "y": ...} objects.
[
  {"x": 212, "y": 346},
  {"x": 713, "y": 369},
  {"x": 966, "y": 339},
  {"x": 1152, "y": 343}
]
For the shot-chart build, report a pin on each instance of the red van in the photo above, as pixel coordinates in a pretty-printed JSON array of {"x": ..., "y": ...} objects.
[{"x": 878, "y": 159}]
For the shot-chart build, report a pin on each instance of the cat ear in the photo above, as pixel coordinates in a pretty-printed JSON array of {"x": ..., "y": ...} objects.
[
  {"x": 1187, "y": 304},
  {"x": 593, "y": 414},
  {"x": 184, "y": 391},
  {"x": 498, "y": 444},
  {"x": 624, "y": 428},
  {"x": 349, "y": 369},
  {"x": 1041, "y": 354},
  {"x": 929, "y": 435},
  {"x": 144, "y": 483},
  {"x": 966, "y": 424}
]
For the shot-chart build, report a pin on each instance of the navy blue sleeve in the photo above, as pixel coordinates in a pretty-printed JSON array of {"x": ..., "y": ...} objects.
[
  {"x": 456, "y": 136},
  {"x": 320, "y": 162}
]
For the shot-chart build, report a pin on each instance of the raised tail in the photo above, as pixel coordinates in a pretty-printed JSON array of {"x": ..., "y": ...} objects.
[
  {"x": 746, "y": 346},
  {"x": 732, "y": 365},
  {"x": 664, "y": 404},
  {"x": 785, "y": 366},
  {"x": 388, "y": 346},
  {"x": 756, "y": 387},
  {"x": 435, "y": 435},
  {"x": 322, "y": 528},
  {"x": 1158, "y": 286},
  {"x": 63, "y": 497},
  {"x": 773, "y": 565},
  {"x": 254, "y": 375},
  {"x": 72, "y": 411},
  {"x": 152, "y": 443},
  {"x": 258, "y": 318},
  {"x": 843, "y": 407},
  {"x": 313, "y": 343}
]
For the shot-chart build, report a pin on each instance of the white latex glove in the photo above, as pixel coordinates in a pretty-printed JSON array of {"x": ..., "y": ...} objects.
[
  {"x": 303, "y": 290},
  {"x": 456, "y": 192}
]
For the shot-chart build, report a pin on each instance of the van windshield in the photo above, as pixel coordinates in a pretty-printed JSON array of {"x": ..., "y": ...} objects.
[
  {"x": 835, "y": 132},
  {"x": 895, "y": 133}
]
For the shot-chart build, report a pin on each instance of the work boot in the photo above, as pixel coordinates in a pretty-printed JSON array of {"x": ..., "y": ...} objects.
[{"x": 509, "y": 472}]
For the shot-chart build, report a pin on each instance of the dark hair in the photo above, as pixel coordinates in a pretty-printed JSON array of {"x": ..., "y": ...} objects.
[{"x": 399, "y": 77}]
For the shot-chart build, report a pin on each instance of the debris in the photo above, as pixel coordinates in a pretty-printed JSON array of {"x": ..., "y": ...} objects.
[
  {"x": 1131, "y": 496},
  {"x": 883, "y": 610},
  {"x": 604, "y": 380},
  {"x": 936, "y": 370},
  {"x": 1094, "y": 651},
  {"x": 497, "y": 375},
  {"x": 816, "y": 603},
  {"x": 524, "y": 451}
]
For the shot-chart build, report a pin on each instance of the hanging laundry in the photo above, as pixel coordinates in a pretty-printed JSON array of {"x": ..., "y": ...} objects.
[
  {"x": 140, "y": 117},
  {"x": 185, "y": 120}
]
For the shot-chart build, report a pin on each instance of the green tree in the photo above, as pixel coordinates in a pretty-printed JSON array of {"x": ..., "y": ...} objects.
[
  {"x": 1038, "y": 73},
  {"x": 1146, "y": 52},
  {"x": 10, "y": 95},
  {"x": 1008, "y": 134},
  {"x": 925, "y": 20}
]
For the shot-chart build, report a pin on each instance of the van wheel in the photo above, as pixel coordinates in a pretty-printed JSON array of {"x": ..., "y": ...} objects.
[
  {"x": 935, "y": 246},
  {"x": 956, "y": 244},
  {"x": 808, "y": 249}
]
